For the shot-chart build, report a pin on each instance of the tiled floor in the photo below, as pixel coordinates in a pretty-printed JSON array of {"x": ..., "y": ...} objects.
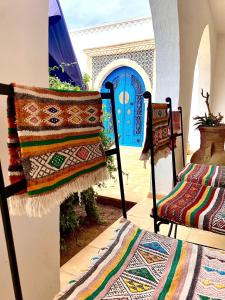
[
  {"x": 136, "y": 178},
  {"x": 139, "y": 214},
  {"x": 136, "y": 190},
  {"x": 136, "y": 185}
]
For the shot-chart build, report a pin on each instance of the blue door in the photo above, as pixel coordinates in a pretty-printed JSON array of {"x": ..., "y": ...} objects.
[{"x": 129, "y": 88}]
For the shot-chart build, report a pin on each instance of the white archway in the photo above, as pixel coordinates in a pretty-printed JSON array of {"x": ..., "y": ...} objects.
[
  {"x": 202, "y": 80},
  {"x": 123, "y": 62}
]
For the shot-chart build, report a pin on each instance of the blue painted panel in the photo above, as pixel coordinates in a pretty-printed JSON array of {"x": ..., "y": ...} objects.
[{"x": 129, "y": 87}]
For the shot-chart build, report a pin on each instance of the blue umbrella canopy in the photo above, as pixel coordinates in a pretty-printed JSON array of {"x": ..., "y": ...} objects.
[{"x": 60, "y": 47}]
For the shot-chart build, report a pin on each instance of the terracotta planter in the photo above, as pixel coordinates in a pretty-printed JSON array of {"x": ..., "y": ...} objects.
[{"x": 211, "y": 150}]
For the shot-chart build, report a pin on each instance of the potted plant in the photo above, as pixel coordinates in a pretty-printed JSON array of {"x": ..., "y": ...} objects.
[{"x": 212, "y": 133}]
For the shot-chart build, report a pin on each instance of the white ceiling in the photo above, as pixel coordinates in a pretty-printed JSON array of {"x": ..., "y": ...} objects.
[{"x": 218, "y": 13}]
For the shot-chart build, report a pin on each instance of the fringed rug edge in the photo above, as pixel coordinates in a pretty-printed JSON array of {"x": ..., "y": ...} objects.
[{"x": 38, "y": 206}]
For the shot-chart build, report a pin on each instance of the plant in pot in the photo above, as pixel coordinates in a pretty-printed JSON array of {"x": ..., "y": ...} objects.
[{"x": 212, "y": 133}]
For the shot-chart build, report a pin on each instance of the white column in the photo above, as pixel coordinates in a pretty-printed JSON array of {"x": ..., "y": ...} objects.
[
  {"x": 178, "y": 30},
  {"x": 166, "y": 31},
  {"x": 24, "y": 59}
]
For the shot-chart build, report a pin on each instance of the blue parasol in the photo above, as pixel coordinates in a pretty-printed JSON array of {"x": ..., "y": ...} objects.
[{"x": 60, "y": 47}]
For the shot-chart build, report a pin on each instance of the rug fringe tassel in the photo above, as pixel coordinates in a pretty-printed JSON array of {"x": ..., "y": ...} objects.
[
  {"x": 38, "y": 206},
  {"x": 160, "y": 154}
]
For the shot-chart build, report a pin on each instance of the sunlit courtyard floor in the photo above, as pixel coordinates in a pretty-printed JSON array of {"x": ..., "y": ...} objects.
[
  {"x": 136, "y": 190},
  {"x": 136, "y": 178}
]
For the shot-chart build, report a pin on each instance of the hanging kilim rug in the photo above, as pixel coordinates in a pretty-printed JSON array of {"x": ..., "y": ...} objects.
[
  {"x": 140, "y": 265},
  {"x": 54, "y": 143},
  {"x": 176, "y": 121},
  {"x": 176, "y": 116},
  {"x": 195, "y": 205},
  {"x": 204, "y": 174},
  {"x": 160, "y": 132}
]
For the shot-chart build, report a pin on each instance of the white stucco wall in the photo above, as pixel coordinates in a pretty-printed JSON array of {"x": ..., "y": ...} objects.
[
  {"x": 121, "y": 63},
  {"x": 109, "y": 34},
  {"x": 201, "y": 80},
  {"x": 194, "y": 134},
  {"x": 191, "y": 26},
  {"x": 24, "y": 59},
  {"x": 113, "y": 34},
  {"x": 218, "y": 104},
  {"x": 166, "y": 30},
  {"x": 178, "y": 28}
]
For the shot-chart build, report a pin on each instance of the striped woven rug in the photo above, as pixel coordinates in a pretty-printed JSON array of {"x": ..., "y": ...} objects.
[
  {"x": 195, "y": 205},
  {"x": 140, "y": 265},
  {"x": 54, "y": 143},
  {"x": 203, "y": 174}
]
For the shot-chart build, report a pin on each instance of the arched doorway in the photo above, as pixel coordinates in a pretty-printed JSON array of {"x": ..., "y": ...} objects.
[
  {"x": 202, "y": 80},
  {"x": 129, "y": 88}
]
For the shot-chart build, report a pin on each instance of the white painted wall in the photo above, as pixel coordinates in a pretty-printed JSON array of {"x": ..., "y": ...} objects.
[
  {"x": 194, "y": 134},
  {"x": 178, "y": 27},
  {"x": 121, "y": 63},
  {"x": 202, "y": 80},
  {"x": 218, "y": 104},
  {"x": 109, "y": 34},
  {"x": 24, "y": 59},
  {"x": 166, "y": 30},
  {"x": 191, "y": 26}
]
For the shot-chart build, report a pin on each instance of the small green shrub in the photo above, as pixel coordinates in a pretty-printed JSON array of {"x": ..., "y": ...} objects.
[
  {"x": 69, "y": 221},
  {"x": 56, "y": 83},
  {"x": 88, "y": 198},
  {"x": 86, "y": 79}
]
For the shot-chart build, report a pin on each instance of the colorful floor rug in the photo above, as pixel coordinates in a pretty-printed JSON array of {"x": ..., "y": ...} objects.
[
  {"x": 204, "y": 174},
  {"x": 140, "y": 265},
  {"x": 195, "y": 205},
  {"x": 54, "y": 143},
  {"x": 160, "y": 131}
]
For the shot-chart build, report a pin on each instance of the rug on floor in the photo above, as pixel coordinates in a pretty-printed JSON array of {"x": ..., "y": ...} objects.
[{"x": 142, "y": 265}]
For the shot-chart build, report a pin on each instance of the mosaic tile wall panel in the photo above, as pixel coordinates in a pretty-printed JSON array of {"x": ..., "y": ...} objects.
[{"x": 144, "y": 58}]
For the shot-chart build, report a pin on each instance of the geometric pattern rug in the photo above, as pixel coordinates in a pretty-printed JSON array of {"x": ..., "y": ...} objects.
[
  {"x": 54, "y": 144},
  {"x": 140, "y": 265},
  {"x": 195, "y": 205},
  {"x": 203, "y": 174},
  {"x": 159, "y": 130}
]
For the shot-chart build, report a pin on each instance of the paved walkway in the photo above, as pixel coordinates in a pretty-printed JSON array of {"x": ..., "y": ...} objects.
[
  {"x": 135, "y": 177},
  {"x": 136, "y": 190}
]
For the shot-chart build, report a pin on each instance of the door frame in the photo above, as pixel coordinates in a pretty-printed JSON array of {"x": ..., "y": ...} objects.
[
  {"x": 126, "y": 63},
  {"x": 122, "y": 62}
]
